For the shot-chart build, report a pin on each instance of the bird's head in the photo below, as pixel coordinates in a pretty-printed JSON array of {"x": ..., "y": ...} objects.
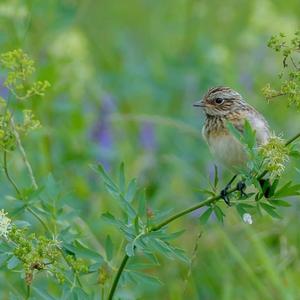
[{"x": 220, "y": 101}]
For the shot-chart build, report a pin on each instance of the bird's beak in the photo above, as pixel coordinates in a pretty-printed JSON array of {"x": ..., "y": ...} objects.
[{"x": 199, "y": 104}]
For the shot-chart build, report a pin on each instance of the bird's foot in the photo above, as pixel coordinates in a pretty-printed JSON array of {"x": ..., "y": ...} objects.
[
  {"x": 224, "y": 193},
  {"x": 241, "y": 187}
]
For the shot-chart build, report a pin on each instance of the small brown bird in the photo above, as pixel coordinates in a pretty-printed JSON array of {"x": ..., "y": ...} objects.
[{"x": 221, "y": 105}]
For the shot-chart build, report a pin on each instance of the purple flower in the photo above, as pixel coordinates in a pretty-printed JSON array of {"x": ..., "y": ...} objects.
[
  {"x": 3, "y": 90},
  {"x": 147, "y": 136}
]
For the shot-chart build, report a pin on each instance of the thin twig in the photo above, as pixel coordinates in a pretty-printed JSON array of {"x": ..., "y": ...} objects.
[
  {"x": 13, "y": 183},
  {"x": 193, "y": 258},
  {"x": 23, "y": 153},
  {"x": 118, "y": 275}
]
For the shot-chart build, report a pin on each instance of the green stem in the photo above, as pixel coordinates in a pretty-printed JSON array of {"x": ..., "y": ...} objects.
[
  {"x": 118, "y": 275},
  {"x": 8, "y": 175},
  {"x": 175, "y": 217},
  {"x": 189, "y": 210},
  {"x": 294, "y": 138},
  {"x": 39, "y": 219},
  {"x": 28, "y": 292}
]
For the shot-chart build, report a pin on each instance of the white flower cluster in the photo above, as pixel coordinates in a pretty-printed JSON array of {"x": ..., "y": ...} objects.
[
  {"x": 5, "y": 224},
  {"x": 275, "y": 155}
]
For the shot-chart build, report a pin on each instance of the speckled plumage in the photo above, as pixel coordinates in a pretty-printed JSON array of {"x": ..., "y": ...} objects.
[{"x": 222, "y": 104}]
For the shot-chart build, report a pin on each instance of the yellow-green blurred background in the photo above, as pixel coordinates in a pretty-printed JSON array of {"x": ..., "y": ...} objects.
[{"x": 124, "y": 75}]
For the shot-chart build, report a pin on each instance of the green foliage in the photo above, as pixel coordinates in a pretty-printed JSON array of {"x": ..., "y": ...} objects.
[
  {"x": 123, "y": 77},
  {"x": 290, "y": 76}
]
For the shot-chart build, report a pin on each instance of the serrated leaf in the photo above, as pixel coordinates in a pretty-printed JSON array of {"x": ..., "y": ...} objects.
[
  {"x": 205, "y": 216},
  {"x": 109, "y": 248}
]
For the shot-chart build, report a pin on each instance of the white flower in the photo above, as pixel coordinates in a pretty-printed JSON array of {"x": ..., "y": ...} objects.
[
  {"x": 247, "y": 218},
  {"x": 5, "y": 224}
]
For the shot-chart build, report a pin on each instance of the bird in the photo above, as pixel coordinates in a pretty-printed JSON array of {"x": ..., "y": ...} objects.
[{"x": 223, "y": 105}]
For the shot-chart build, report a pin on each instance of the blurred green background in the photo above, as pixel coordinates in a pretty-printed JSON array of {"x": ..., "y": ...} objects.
[{"x": 124, "y": 75}]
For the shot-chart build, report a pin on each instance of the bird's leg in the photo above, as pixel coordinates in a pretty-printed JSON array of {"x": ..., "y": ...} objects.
[
  {"x": 224, "y": 192},
  {"x": 241, "y": 187}
]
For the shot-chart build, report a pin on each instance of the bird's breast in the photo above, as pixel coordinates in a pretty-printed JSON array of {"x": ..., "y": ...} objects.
[{"x": 228, "y": 150}]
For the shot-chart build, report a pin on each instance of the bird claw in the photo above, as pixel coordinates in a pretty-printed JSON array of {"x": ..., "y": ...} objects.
[
  {"x": 224, "y": 195},
  {"x": 241, "y": 186}
]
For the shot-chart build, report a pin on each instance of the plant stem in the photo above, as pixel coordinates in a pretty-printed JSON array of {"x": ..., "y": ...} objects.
[
  {"x": 190, "y": 209},
  {"x": 28, "y": 292},
  {"x": 117, "y": 277},
  {"x": 294, "y": 138},
  {"x": 39, "y": 219},
  {"x": 23, "y": 153},
  {"x": 175, "y": 217},
  {"x": 8, "y": 175}
]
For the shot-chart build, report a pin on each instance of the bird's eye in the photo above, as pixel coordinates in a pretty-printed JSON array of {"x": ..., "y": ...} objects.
[{"x": 219, "y": 100}]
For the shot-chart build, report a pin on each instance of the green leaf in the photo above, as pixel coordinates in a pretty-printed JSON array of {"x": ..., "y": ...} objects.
[
  {"x": 109, "y": 247},
  {"x": 129, "y": 249},
  {"x": 205, "y": 191},
  {"x": 13, "y": 262},
  {"x": 167, "y": 250},
  {"x": 295, "y": 153},
  {"x": 288, "y": 190},
  {"x": 271, "y": 210},
  {"x": 136, "y": 225},
  {"x": 105, "y": 176},
  {"x": 273, "y": 187},
  {"x": 280, "y": 203},
  {"x": 109, "y": 218},
  {"x": 234, "y": 131},
  {"x": 142, "y": 278},
  {"x": 216, "y": 177},
  {"x": 142, "y": 211},
  {"x": 249, "y": 135},
  {"x": 81, "y": 250},
  {"x": 122, "y": 178},
  {"x": 219, "y": 213},
  {"x": 42, "y": 294},
  {"x": 127, "y": 208},
  {"x": 205, "y": 216},
  {"x": 131, "y": 190},
  {"x": 141, "y": 266}
]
